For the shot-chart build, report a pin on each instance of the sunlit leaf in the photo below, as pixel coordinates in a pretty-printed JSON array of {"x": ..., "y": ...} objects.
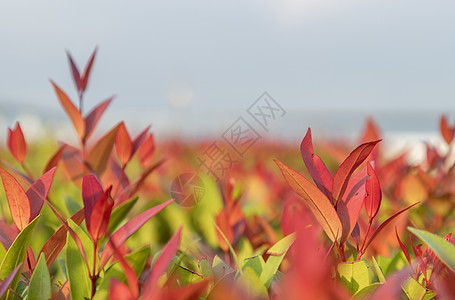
[
  {"x": 74, "y": 113},
  {"x": 276, "y": 255},
  {"x": 16, "y": 143},
  {"x": 316, "y": 166},
  {"x": 99, "y": 155},
  {"x": 93, "y": 117},
  {"x": 123, "y": 144},
  {"x": 373, "y": 193},
  {"x": 18, "y": 202},
  {"x": 160, "y": 265},
  {"x": 317, "y": 202},
  {"x": 124, "y": 232},
  {"x": 347, "y": 168},
  {"x": 39, "y": 191}
]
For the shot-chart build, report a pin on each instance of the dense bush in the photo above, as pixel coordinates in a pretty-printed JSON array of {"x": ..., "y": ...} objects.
[{"x": 94, "y": 220}]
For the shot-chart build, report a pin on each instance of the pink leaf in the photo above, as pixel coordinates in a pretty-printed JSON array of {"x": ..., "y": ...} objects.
[
  {"x": 146, "y": 151},
  {"x": 75, "y": 72},
  {"x": 160, "y": 265},
  {"x": 39, "y": 191},
  {"x": 349, "y": 165},
  {"x": 99, "y": 218},
  {"x": 91, "y": 192},
  {"x": 8, "y": 280},
  {"x": 93, "y": 117},
  {"x": 124, "y": 232},
  {"x": 316, "y": 166},
  {"x": 87, "y": 71},
  {"x": 119, "y": 291},
  {"x": 385, "y": 223},
  {"x": 137, "y": 142},
  {"x": 373, "y": 193},
  {"x": 348, "y": 209}
]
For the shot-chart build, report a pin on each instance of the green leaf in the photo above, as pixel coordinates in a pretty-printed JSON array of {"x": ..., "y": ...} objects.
[
  {"x": 2, "y": 252},
  {"x": 16, "y": 255},
  {"x": 206, "y": 268},
  {"x": 119, "y": 213},
  {"x": 220, "y": 268},
  {"x": 413, "y": 289},
  {"x": 86, "y": 241},
  {"x": 429, "y": 295},
  {"x": 356, "y": 275},
  {"x": 442, "y": 248},
  {"x": 367, "y": 292},
  {"x": 276, "y": 253},
  {"x": 40, "y": 283},
  {"x": 379, "y": 272},
  {"x": 253, "y": 286},
  {"x": 256, "y": 263},
  {"x": 78, "y": 276},
  {"x": 234, "y": 255}
]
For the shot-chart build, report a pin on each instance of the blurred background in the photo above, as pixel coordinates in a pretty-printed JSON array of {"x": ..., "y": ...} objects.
[{"x": 191, "y": 68}]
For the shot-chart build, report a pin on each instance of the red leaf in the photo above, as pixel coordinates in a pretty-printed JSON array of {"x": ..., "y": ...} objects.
[
  {"x": 146, "y": 151},
  {"x": 123, "y": 144},
  {"x": 373, "y": 193},
  {"x": 129, "y": 272},
  {"x": 403, "y": 248},
  {"x": 119, "y": 291},
  {"x": 75, "y": 72},
  {"x": 349, "y": 165},
  {"x": 446, "y": 131},
  {"x": 140, "y": 139},
  {"x": 53, "y": 161},
  {"x": 57, "y": 241},
  {"x": 372, "y": 133},
  {"x": 316, "y": 166},
  {"x": 161, "y": 264},
  {"x": 87, "y": 71},
  {"x": 356, "y": 235},
  {"x": 222, "y": 222},
  {"x": 74, "y": 113},
  {"x": 18, "y": 202},
  {"x": 316, "y": 201},
  {"x": 385, "y": 223},
  {"x": 190, "y": 291},
  {"x": 348, "y": 209},
  {"x": 38, "y": 191},
  {"x": 16, "y": 143},
  {"x": 8, "y": 280},
  {"x": 124, "y": 232},
  {"x": 91, "y": 192},
  {"x": 99, "y": 218},
  {"x": 92, "y": 119},
  {"x": 73, "y": 165},
  {"x": 64, "y": 292},
  {"x": 100, "y": 153}
]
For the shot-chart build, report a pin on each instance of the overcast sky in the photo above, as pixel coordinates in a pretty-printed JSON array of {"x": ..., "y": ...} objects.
[{"x": 216, "y": 55}]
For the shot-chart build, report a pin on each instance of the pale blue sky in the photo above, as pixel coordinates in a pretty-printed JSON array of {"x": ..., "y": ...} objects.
[{"x": 365, "y": 55}]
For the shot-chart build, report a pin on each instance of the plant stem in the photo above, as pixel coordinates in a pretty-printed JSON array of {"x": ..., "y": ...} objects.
[{"x": 364, "y": 240}]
